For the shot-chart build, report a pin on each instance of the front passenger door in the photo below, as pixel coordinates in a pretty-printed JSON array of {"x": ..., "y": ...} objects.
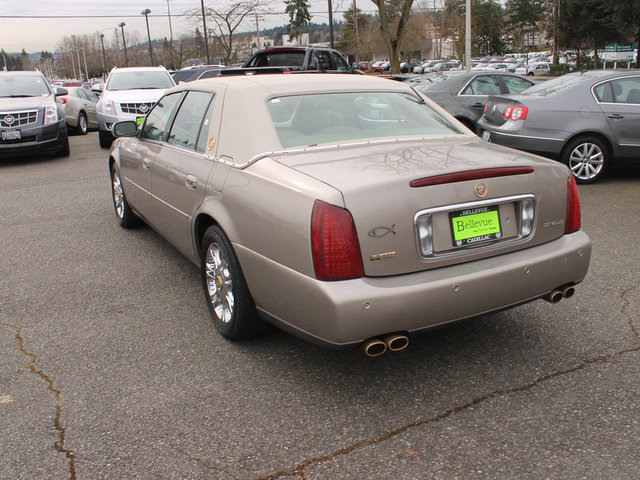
[
  {"x": 137, "y": 157},
  {"x": 181, "y": 169}
]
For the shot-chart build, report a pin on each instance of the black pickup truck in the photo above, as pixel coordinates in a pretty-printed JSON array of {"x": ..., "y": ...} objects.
[{"x": 301, "y": 58}]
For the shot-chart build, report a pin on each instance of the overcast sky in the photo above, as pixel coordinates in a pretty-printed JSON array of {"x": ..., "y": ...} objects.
[{"x": 36, "y": 34}]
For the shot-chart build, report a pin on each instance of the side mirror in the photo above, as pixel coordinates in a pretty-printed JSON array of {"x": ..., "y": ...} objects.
[
  {"x": 126, "y": 128},
  {"x": 61, "y": 92}
]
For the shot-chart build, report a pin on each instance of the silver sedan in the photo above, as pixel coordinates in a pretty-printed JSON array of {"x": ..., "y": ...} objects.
[{"x": 587, "y": 120}]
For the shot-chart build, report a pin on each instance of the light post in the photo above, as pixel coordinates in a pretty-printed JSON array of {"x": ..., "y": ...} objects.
[
  {"x": 104, "y": 58},
  {"x": 170, "y": 35},
  {"x": 146, "y": 13},
  {"x": 204, "y": 25},
  {"x": 124, "y": 44}
]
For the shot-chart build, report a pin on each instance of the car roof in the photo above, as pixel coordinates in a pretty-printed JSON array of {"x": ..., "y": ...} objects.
[
  {"x": 21, "y": 73},
  {"x": 299, "y": 83}
]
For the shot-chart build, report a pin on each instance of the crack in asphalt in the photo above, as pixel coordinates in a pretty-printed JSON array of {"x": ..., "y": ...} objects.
[
  {"x": 299, "y": 469},
  {"x": 59, "y": 444},
  {"x": 201, "y": 461}
]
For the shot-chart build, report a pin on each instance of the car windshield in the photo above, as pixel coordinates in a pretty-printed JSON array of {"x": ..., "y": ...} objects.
[
  {"x": 551, "y": 87},
  {"x": 23, "y": 86},
  {"x": 304, "y": 120},
  {"x": 139, "y": 80}
]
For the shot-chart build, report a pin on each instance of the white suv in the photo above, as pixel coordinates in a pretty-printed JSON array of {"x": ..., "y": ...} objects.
[{"x": 129, "y": 94}]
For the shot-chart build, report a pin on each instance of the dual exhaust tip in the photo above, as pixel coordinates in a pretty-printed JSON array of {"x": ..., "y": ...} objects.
[
  {"x": 566, "y": 291},
  {"x": 394, "y": 342}
]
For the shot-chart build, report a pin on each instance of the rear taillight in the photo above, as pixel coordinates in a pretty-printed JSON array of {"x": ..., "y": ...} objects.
[
  {"x": 515, "y": 113},
  {"x": 486, "y": 107},
  {"x": 62, "y": 100},
  {"x": 334, "y": 243},
  {"x": 573, "y": 220}
]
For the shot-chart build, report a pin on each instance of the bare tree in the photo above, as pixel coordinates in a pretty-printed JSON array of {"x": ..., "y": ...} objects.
[
  {"x": 394, "y": 16},
  {"x": 226, "y": 22}
]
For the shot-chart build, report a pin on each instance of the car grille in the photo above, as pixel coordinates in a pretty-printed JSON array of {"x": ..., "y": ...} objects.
[
  {"x": 18, "y": 119},
  {"x": 136, "y": 108}
]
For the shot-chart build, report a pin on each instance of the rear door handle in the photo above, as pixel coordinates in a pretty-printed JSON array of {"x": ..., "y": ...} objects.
[
  {"x": 191, "y": 182},
  {"x": 615, "y": 116},
  {"x": 478, "y": 105}
]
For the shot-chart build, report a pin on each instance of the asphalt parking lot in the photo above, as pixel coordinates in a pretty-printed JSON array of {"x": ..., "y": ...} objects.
[{"x": 111, "y": 369}]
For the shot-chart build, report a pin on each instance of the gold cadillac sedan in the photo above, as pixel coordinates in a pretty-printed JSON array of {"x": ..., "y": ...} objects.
[{"x": 345, "y": 209}]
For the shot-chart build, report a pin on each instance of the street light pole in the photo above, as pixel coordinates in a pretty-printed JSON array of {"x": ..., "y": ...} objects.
[
  {"x": 467, "y": 46},
  {"x": 170, "y": 35},
  {"x": 124, "y": 44},
  {"x": 204, "y": 25},
  {"x": 146, "y": 13},
  {"x": 104, "y": 59}
]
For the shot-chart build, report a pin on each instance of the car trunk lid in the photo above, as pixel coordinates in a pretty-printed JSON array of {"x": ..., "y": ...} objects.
[{"x": 391, "y": 190}]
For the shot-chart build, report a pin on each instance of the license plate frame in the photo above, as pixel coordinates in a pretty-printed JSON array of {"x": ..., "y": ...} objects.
[
  {"x": 486, "y": 136},
  {"x": 475, "y": 225},
  {"x": 11, "y": 135}
]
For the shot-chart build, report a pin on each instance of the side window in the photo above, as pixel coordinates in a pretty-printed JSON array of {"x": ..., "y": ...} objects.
[
  {"x": 516, "y": 84},
  {"x": 323, "y": 60},
  {"x": 80, "y": 93},
  {"x": 626, "y": 90},
  {"x": 203, "y": 135},
  {"x": 341, "y": 64},
  {"x": 604, "y": 93},
  {"x": 483, "y": 85},
  {"x": 187, "y": 125},
  {"x": 159, "y": 116}
]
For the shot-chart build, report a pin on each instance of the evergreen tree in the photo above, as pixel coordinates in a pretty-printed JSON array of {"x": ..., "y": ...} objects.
[{"x": 299, "y": 17}]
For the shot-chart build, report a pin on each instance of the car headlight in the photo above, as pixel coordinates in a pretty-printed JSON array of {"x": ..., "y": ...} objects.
[
  {"x": 50, "y": 114},
  {"x": 107, "y": 106}
]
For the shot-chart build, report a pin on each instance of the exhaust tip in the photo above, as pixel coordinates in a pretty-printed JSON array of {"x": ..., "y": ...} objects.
[
  {"x": 396, "y": 342},
  {"x": 567, "y": 292},
  {"x": 554, "y": 296},
  {"x": 374, "y": 347}
]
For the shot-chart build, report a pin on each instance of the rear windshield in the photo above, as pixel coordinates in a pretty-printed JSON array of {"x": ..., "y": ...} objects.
[
  {"x": 280, "y": 59},
  {"x": 23, "y": 86},
  {"x": 551, "y": 87},
  {"x": 304, "y": 120},
  {"x": 139, "y": 80}
]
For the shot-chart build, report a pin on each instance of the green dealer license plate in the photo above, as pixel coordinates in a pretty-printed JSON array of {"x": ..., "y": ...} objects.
[{"x": 475, "y": 225}]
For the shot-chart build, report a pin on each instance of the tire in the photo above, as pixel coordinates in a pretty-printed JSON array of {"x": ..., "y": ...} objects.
[
  {"x": 106, "y": 139},
  {"x": 83, "y": 127},
  {"x": 587, "y": 158},
  {"x": 125, "y": 216},
  {"x": 64, "y": 150},
  {"x": 225, "y": 289}
]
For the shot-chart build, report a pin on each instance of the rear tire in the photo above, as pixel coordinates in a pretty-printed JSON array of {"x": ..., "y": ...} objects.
[
  {"x": 83, "y": 126},
  {"x": 587, "y": 157},
  {"x": 106, "y": 139},
  {"x": 225, "y": 289}
]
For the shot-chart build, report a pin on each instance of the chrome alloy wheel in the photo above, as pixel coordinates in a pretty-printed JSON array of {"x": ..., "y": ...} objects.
[
  {"x": 586, "y": 161},
  {"x": 219, "y": 283},
  {"x": 118, "y": 193}
]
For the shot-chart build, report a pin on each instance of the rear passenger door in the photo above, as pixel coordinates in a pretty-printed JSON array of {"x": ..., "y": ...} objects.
[
  {"x": 619, "y": 100},
  {"x": 181, "y": 168}
]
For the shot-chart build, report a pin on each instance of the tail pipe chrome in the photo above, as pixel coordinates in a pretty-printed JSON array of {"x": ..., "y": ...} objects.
[
  {"x": 557, "y": 294},
  {"x": 374, "y": 347},
  {"x": 394, "y": 342}
]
